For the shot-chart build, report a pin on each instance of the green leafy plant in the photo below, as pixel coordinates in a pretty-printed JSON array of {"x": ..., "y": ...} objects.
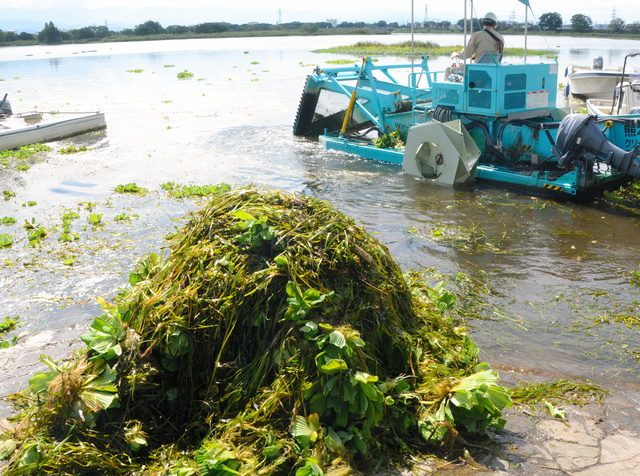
[
  {"x": 7, "y": 325},
  {"x": 130, "y": 188},
  {"x": 143, "y": 269},
  {"x": 36, "y": 236},
  {"x": 8, "y": 221},
  {"x": 77, "y": 395},
  {"x": 213, "y": 459},
  {"x": 105, "y": 336},
  {"x": 7, "y": 194},
  {"x": 190, "y": 191},
  {"x": 301, "y": 303},
  {"x": 95, "y": 218},
  {"x": 72, "y": 149},
  {"x": 185, "y": 75},
  {"x": 258, "y": 233},
  {"x": 122, "y": 217},
  {"x": 475, "y": 402},
  {"x": 392, "y": 139},
  {"x": 6, "y": 240},
  {"x": 555, "y": 412}
]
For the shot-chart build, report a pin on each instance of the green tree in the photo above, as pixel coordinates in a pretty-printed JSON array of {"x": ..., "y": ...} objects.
[
  {"x": 309, "y": 28},
  {"x": 633, "y": 27},
  {"x": 208, "y": 28},
  {"x": 550, "y": 21},
  {"x": 177, "y": 29},
  {"x": 617, "y": 25},
  {"x": 85, "y": 33},
  {"x": 49, "y": 34},
  {"x": 581, "y": 23},
  {"x": 149, "y": 28}
]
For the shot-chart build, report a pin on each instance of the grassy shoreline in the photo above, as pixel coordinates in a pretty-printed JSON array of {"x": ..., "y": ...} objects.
[{"x": 327, "y": 32}]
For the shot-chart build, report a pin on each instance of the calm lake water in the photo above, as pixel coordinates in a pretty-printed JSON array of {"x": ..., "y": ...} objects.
[{"x": 557, "y": 274}]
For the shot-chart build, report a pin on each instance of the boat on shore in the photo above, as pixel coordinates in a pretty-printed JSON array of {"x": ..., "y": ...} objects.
[
  {"x": 499, "y": 123},
  {"x": 31, "y": 127}
]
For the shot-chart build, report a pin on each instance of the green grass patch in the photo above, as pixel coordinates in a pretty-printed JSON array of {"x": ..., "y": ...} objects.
[{"x": 420, "y": 48}]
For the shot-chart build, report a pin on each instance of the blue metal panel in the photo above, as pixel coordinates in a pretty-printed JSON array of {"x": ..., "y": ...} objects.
[{"x": 363, "y": 149}]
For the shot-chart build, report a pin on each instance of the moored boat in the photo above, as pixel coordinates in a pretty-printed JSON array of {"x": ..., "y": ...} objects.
[
  {"x": 20, "y": 129},
  {"x": 592, "y": 81}
]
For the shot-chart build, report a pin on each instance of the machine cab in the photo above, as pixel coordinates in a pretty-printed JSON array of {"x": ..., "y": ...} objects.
[{"x": 496, "y": 89}]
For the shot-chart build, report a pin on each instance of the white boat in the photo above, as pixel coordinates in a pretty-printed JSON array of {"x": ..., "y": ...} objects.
[
  {"x": 590, "y": 82},
  {"x": 21, "y": 129},
  {"x": 626, "y": 102},
  {"x": 623, "y": 101}
]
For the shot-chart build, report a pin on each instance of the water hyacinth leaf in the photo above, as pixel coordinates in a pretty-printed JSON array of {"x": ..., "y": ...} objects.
[
  {"x": 40, "y": 382},
  {"x": 333, "y": 441},
  {"x": 7, "y": 448},
  {"x": 242, "y": 215},
  {"x": 333, "y": 366},
  {"x": 177, "y": 342},
  {"x": 29, "y": 458},
  {"x": 311, "y": 468},
  {"x": 105, "y": 336},
  {"x": 309, "y": 329},
  {"x": 336, "y": 338},
  {"x": 272, "y": 452},
  {"x": 555, "y": 412},
  {"x": 281, "y": 261},
  {"x": 357, "y": 341},
  {"x": 305, "y": 430}
]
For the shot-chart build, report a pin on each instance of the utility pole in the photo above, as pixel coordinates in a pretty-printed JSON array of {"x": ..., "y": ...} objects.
[{"x": 279, "y": 16}]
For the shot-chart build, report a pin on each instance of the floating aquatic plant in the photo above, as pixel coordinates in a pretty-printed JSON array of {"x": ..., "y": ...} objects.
[
  {"x": 7, "y": 325},
  {"x": 130, "y": 188},
  {"x": 185, "y": 75},
  {"x": 72, "y": 149},
  {"x": 190, "y": 191},
  {"x": 277, "y": 337}
]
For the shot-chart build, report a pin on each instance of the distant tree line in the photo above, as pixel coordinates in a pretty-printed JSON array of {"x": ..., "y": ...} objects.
[
  {"x": 580, "y": 23},
  {"x": 551, "y": 21}
]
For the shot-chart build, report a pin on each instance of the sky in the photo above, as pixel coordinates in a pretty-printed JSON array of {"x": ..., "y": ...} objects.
[{"x": 187, "y": 12}]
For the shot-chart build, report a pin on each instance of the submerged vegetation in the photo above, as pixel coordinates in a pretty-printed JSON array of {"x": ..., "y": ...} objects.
[{"x": 277, "y": 337}]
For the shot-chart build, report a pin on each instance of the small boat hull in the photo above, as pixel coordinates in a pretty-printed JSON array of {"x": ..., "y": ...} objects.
[
  {"x": 19, "y": 130},
  {"x": 593, "y": 83}
]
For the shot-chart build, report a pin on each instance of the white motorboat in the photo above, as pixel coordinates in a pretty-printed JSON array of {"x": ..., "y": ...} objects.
[
  {"x": 627, "y": 102},
  {"x": 592, "y": 81},
  {"x": 17, "y": 130}
]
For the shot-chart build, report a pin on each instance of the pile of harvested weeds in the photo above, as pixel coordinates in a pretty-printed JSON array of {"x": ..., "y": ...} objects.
[{"x": 278, "y": 337}]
